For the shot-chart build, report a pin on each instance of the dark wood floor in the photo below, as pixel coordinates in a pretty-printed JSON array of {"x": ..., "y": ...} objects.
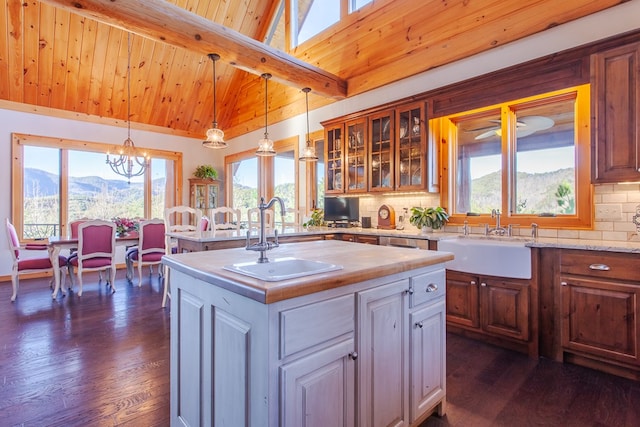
[{"x": 103, "y": 360}]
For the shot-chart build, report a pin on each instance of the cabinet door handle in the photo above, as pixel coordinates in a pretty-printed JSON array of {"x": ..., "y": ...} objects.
[
  {"x": 599, "y": 267},
  {"x": 419, "y": 325},
  {"x": 473, "y": 282},
  {"x": 432, "y": 287},
  {"x": 409, "y": 291},
  {"x": 483, "y": 284},
  {"x": 353, "y": 355},
  {"x": 563, "y": 283}
]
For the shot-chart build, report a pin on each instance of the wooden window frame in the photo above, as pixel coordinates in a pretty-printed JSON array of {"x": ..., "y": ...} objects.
[
  {"x": 582, "y": 219},
  {"x": 19, "y": 141}
]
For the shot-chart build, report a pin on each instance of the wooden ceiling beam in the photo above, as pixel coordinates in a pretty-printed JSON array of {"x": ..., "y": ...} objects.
[{"x": 165, "y": 22}]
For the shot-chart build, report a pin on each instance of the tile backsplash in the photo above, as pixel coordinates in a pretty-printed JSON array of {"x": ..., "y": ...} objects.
[{"x": 615, "y": 206}]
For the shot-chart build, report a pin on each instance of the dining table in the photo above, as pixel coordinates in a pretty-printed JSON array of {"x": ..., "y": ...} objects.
[{"x": 57, "y": 243}]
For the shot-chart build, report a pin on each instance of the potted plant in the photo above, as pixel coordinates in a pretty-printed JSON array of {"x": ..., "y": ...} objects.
[
  {"x": 428, "y": 218},
  {"x": 316, "y": 220},
  {"x": 206, "y": 172}
]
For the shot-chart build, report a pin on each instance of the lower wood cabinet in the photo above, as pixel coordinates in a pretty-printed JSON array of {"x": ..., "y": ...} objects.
[
  {"x": 491, "y": 306},
  {"x": 600, "y": 309}
]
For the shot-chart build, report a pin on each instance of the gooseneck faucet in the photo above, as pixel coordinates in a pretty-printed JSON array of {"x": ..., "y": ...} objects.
[{"x": 262, "y": 245}]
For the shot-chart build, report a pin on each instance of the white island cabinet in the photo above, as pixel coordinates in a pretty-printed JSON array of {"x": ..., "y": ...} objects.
[{"x": 360, "y": 346}]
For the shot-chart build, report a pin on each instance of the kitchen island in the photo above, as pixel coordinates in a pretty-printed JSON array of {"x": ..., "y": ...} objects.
[{"x": 363, "y": 345}]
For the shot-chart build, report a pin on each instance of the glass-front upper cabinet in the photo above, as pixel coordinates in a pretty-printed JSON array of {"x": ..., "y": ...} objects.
[
  {"x": 204, "y": 194},
  {"x": 381, "y": 156},
  {"x": 356, "y": 155},
  {"x": 410, "y": 148},
  {"x": 334, "y": 180}
]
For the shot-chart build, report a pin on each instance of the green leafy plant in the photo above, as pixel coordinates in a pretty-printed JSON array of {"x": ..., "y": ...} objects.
[
  {"x": 206, "y": 172},
  {"x": 435, "y": 218},
  {"x": 317, "y": 218}
]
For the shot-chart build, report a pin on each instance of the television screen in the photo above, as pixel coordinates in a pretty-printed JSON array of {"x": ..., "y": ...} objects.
[{"x": 341, "y": 209}]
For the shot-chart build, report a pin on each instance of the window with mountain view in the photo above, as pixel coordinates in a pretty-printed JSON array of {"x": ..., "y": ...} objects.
[
  {"x": 65, "y": 180},
  {"x": 522, "y": 157}
]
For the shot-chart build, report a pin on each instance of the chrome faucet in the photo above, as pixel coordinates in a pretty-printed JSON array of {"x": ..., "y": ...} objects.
[
  {"x": 262, "y": 245},
  {"x": 498, "y": 229}
]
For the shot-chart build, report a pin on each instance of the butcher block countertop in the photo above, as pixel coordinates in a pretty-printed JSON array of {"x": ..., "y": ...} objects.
[{"x": 360, "y": 262}]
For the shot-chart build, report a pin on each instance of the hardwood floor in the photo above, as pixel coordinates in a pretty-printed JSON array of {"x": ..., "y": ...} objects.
[
  {"x": 103, "y": 360},
  {"x": 98, "y": 360}
]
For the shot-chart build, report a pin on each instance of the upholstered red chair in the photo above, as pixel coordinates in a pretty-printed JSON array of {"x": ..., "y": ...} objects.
[
  {"x": 40, "y": 263},
  {"x": 96, "y": 251},
  {"x": 150, "y": 249}
]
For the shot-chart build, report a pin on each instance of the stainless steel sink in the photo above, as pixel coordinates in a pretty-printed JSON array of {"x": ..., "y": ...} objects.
[{"x": 282, "y": 268}]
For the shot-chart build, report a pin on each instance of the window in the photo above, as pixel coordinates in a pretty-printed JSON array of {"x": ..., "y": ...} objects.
[
  {"x": 64, "y": 180},
  {"x": 253, "y": 177},
  {"x": 524, "y": 158},
  {"x": 357, "y": 4},
  {"x": 312, "y": 17}
]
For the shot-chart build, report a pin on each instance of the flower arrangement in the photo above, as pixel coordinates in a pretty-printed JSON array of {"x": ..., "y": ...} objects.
[{"x": 125, "y": 225}]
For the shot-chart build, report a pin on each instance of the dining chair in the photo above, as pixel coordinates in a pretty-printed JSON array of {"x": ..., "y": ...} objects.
[
  {"x": 38, "y": 263},
  {"x": 96, "y": 251},
  {"x": 150, "y": 249},
  {"x": 253, "y": 215},
  {"x": 295, "y": 215},
  {"x": 179, "y": 219},
  {"x": 225, "y": 218}
]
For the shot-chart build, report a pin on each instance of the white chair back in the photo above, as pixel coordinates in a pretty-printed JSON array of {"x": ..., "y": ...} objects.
[{"x": 225, "y": 218}]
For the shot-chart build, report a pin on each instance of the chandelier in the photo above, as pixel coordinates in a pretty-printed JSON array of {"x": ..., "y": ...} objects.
[
  {"x": 309, "y": 153},
  {"x": 265, "y": 145},
  {"x": 127, "y": 161},
  {"x": 215, "y": 136}
]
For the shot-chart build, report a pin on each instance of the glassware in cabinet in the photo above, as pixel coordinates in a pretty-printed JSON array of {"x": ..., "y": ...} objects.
[
  {"x": 410, "y": 152},
  {"x": 333, "y": 158},
  {"x": 356, "y": 156},
  {"x": 381, "y": 151}
]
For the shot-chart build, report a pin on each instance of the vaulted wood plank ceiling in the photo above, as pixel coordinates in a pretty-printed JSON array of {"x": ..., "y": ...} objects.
[{"x": 53, "y": 57}]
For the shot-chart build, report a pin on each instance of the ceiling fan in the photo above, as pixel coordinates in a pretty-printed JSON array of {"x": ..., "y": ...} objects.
[{"x": 525, "y": 126}]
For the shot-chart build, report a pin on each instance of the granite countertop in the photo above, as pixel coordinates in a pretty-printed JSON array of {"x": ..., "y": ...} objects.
[
  {"x": 414, "y": 233},
  {"x": 360, "y": 262}
]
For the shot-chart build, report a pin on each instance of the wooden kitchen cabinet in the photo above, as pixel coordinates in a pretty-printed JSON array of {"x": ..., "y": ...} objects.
[
  {"x": 382, "y": 151},
  {"x": 334, "y": 178},
  {"x": 356, "y": 162},
  {"x": 491, "y": 307},
  {"x": 600, "y": 312},
  {"x": 205, "y": 194},
  {"x": 615, "y": 104},
  {"x": 359, "y": 238}
]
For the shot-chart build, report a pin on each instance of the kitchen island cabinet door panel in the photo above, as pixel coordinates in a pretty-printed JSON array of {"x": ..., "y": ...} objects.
[
  {"x": 382, "y": 348},
  {"x": 428, "y": 354},
  {"x": 319, "y": 390}
]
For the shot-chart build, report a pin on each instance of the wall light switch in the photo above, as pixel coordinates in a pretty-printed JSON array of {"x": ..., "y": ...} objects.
[{"x": 609, "y": 212}]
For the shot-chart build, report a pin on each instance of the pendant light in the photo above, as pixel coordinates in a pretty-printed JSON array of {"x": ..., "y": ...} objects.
[
  {"x": 128, "y": 162},
  {"x": 215, "y": 136},
  {"x": 309, "y": 153},
  {"x": 265, "y": 145}
]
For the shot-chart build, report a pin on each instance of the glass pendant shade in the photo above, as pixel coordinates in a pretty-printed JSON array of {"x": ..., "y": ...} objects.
[
  {"x": 215, "y": 136},
  {"x": 265, "y": 145},
  {"x": 127, "y": 161},
  {"x": 309, "y": 153}
]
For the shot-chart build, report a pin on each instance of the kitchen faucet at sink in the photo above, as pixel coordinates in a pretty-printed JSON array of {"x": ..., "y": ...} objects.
[
  {"x": 262, "y": 245},
  {"x": 498, "y": 229}
]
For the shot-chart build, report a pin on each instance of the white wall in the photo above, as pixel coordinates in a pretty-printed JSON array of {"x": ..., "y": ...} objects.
[{"x": 616, "y": 20}]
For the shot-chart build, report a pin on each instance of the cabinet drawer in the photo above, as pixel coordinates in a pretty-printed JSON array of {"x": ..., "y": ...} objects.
[
  {"x": 314, "y": 324},
  {"x": 600, "y": 264},
  {"x": 427, "y": 287}
]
